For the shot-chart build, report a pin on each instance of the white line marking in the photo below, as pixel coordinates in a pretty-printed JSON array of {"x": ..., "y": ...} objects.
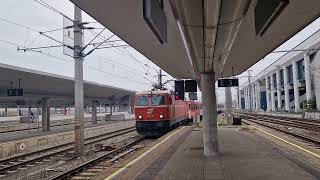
[{"x": 290, "y": 143}]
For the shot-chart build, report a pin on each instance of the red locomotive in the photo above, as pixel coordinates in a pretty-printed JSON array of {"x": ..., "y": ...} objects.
[{"x": 158, "y": 111}]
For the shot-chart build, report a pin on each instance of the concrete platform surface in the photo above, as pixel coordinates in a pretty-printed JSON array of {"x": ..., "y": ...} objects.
[{"x": 243, "y": 155}]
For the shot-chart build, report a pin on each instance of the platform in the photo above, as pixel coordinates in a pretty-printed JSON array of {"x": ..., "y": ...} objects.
[{"x": 244, "y": 153}]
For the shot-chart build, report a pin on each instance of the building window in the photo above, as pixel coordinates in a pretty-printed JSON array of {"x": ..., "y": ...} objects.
[
  {"x": 290, "y": 75},
  {"x": 300, "y": 66}
]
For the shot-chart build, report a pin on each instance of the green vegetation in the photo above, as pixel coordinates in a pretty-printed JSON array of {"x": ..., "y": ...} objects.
[{"x": 310, "y": 104}]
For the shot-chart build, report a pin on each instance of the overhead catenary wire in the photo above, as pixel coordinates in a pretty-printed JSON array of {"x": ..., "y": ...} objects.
[
  {"x": 128, "y": 68},
  {"x": 34, "y": 49},
  {"x": 94, "y": 39},
  {"x": 19, "y": 47},
  {"x": 43, "y": 3},
  {"x": 98, "y": 35},
  {"x": 37, "y": 31},
  {"x": 17, "y": 24},
  {"x": 143, "y": 65},
  {"x": 125, "y": 52},
  {"x": 71, "y": 61}
]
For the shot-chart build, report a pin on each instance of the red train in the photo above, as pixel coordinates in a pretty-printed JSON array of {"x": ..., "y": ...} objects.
[{"x": 158, "y": 111}]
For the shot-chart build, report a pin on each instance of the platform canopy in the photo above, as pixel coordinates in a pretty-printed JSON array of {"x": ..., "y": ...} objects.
[
  {"x": 58, "y": 89},
  {"x": 224, "y": 36}
]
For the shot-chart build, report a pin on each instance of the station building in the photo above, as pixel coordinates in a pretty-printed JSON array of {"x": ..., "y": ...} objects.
[{"x": 290, "y": 84}]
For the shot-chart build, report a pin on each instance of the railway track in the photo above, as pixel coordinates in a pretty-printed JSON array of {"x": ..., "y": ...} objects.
[
  {"x": 100, "y": 164},
  {"x": 313, "y": 126},
  {"x": 21, "y": 161},
  {"x": 308, "y": 130}
]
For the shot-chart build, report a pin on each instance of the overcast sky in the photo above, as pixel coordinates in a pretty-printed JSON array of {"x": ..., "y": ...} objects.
[{"x": 112, "y": 66}]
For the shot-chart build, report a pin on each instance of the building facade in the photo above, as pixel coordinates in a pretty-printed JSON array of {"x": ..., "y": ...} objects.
[{"x": 291, "y": 84}]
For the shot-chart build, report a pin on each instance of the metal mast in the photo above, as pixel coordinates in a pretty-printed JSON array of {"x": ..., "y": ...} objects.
[{"x": 78, "y": 83}]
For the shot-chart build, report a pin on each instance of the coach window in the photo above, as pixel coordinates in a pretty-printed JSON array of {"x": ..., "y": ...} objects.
[
  {"x": 157, "y": 100},
  {"x": 142, "y": 100}
]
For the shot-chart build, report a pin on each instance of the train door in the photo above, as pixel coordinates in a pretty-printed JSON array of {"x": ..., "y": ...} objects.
[{"x": 171, "y": 106}]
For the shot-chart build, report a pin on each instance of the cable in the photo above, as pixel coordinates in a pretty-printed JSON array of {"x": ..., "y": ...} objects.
[
  {"x": 123, "y": 77},
  {"x": 128, "y": 54},
  {"x": 125, "y": 53},
  {"x": 8, "y": 42},
  {"x": 71, "y": 61},
  {"x": 119, "y": 64},
  {"x": 14, "y": 23},
  {"x": 43, "y": 3},
  {"x": 94, "y": 39},
  {"x": 33, "y": 48},
  {"x": 26, "y": 27}
]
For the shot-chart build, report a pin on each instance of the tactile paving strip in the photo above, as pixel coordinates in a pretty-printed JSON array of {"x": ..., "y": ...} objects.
[{"x": 152, "y": 171}]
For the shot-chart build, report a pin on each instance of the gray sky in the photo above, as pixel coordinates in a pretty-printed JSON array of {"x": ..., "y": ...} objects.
[{"x": 103, "y": 66}]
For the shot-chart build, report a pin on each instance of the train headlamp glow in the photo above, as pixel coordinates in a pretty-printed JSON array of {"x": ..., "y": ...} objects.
[
  {"x": 140, "y": 116},
  {"x": 161, "y": 116}
]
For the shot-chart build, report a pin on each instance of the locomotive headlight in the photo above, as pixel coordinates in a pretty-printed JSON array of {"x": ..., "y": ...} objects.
[
  {"x": 140, "y": 116},
  {"x": 161, "y": 116}
]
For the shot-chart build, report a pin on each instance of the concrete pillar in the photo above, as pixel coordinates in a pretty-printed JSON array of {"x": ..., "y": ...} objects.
[
  {"x": 307, "y": 76},
  {"x": 238, "y": 99},
  {"x": 65, "y": 110},
  {"x": 6, "y": 111},
  {"x": 45, "y": 115},
  {"x": 286, "y": 89},
  {"x": 94, "y": 112},
  {"x": 268, "y": 94},
  {"x": 129, "y": 105},
  {"x": 245, "y": 98},
  {"x": 248, "y": 98},
  {"x": 279, "y": 105},
  {"x": 253, "y": 98},
  {"x": 210, "y": 139},
  {"x": 48, "y": 117},
  {"x": 18, "y": 111},
  {"x": 29, "y": 111},
  {"x": 273, "y": 104},
  {"x": 296, "y": 87},
  {"x": 258, "y": 95}
]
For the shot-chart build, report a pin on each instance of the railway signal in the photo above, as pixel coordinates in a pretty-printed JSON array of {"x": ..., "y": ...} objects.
[
  {"x": 190, "y": 86},
  {"x": 179, "y": 90}
]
